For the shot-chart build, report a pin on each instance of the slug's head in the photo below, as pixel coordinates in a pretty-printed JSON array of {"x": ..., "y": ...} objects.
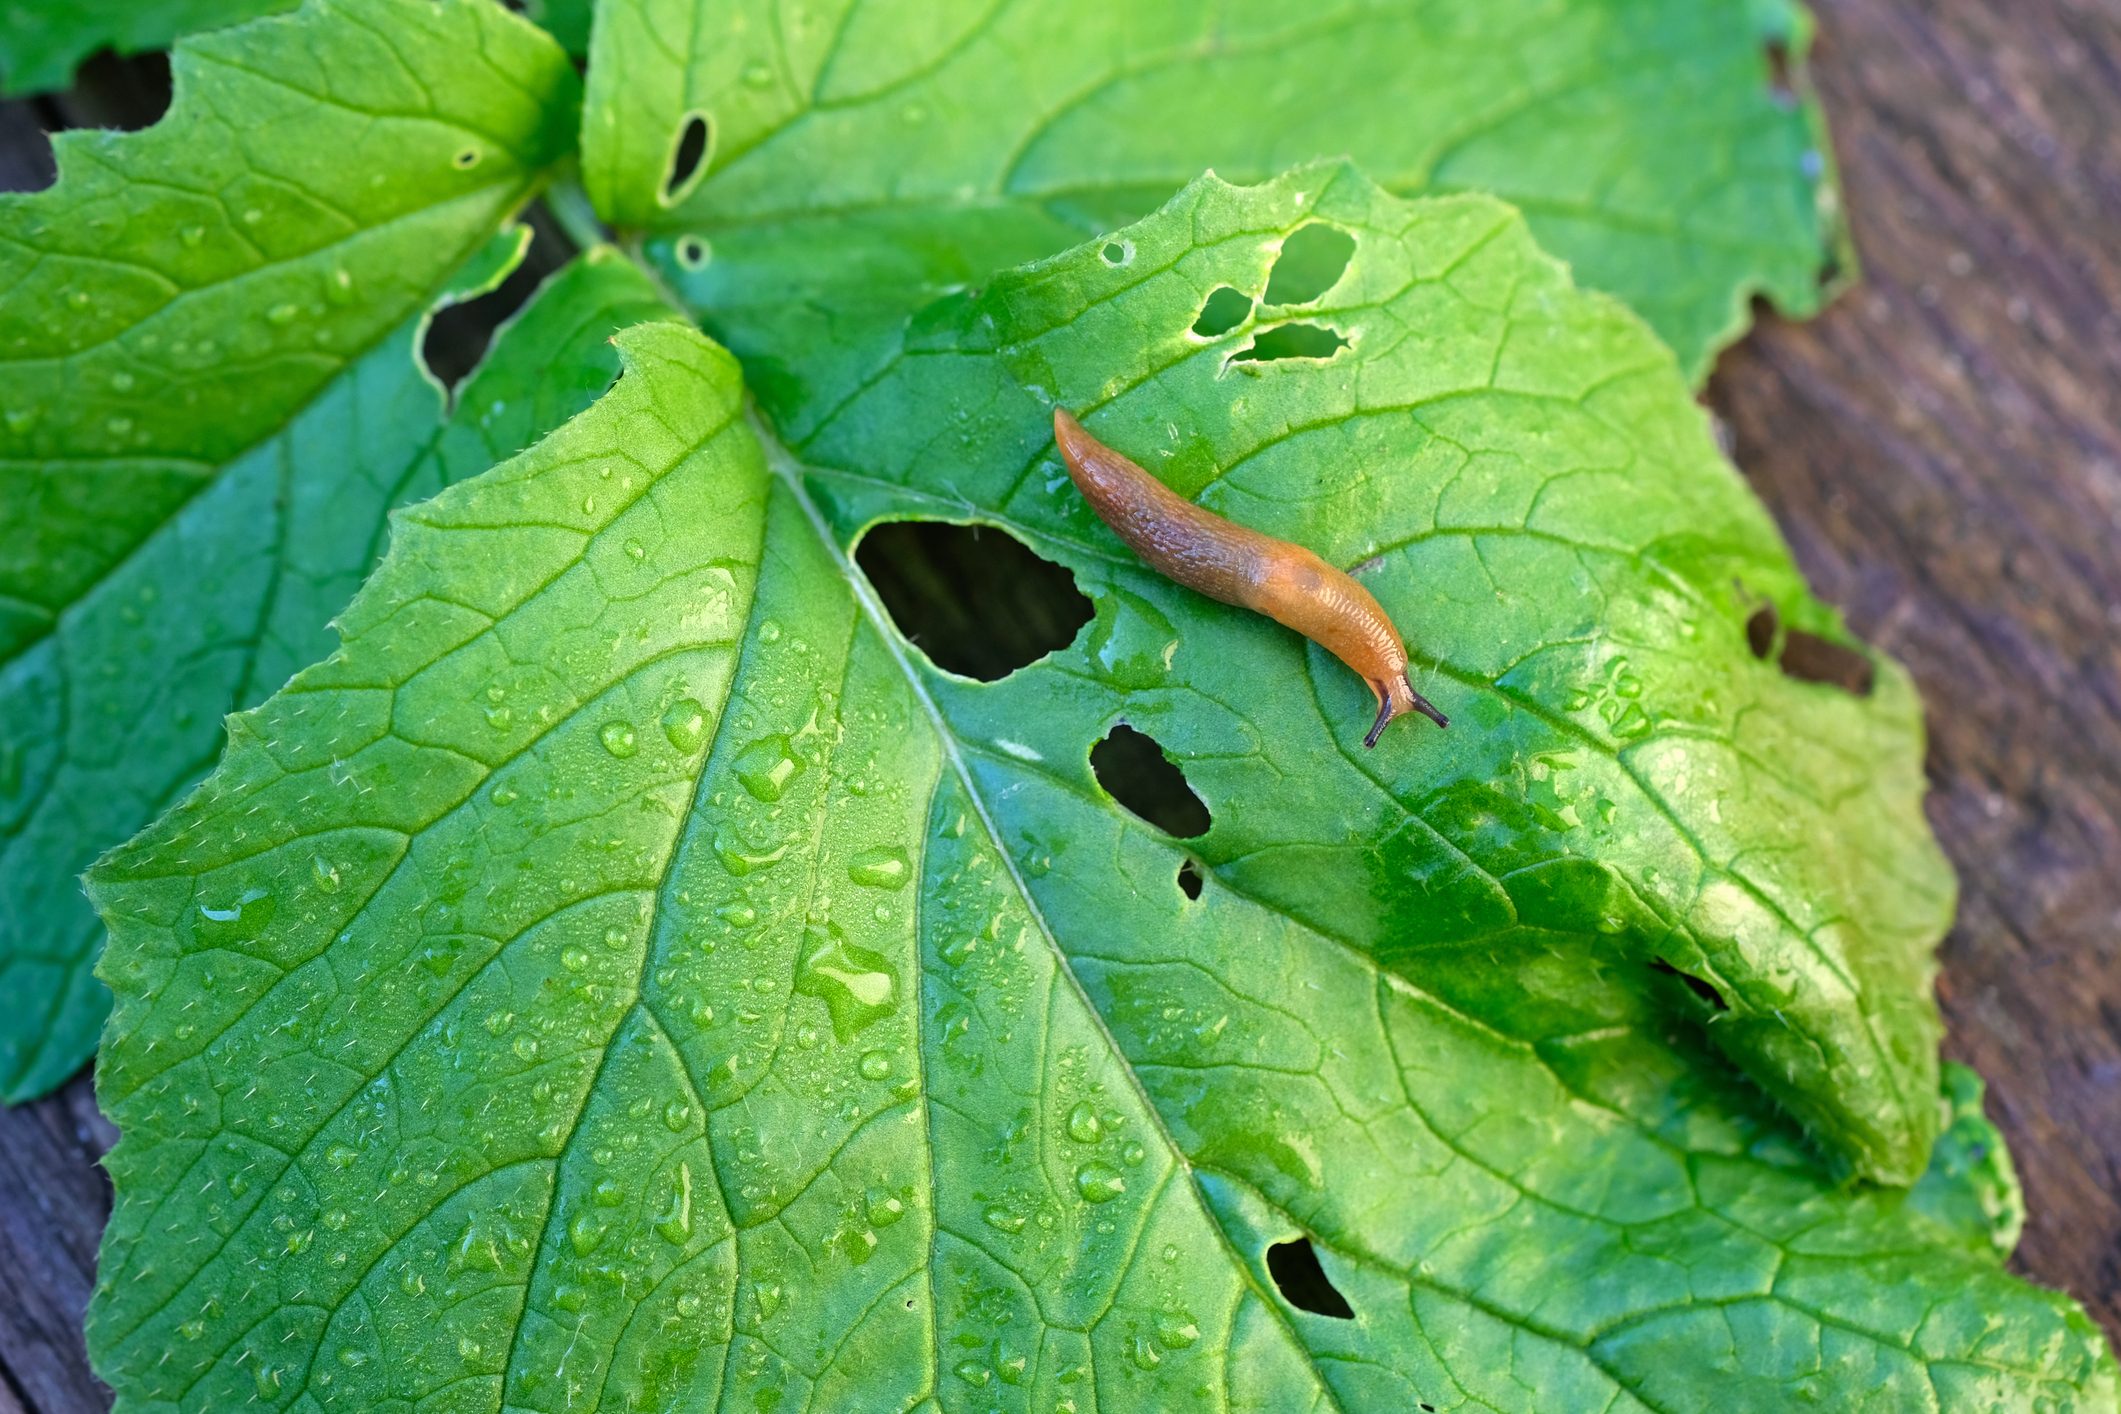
[{"x": 1395, "y": 698}]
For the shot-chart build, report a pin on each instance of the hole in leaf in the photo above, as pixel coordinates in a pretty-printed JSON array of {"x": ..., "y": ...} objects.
[
  {"x": 458, "y": 335},
  {"x": 1760, "y": 631},
  {"x": 1189, "y": 880},
  {"x": 1303, "y": 1282},
  {"x": 466, "y": 159},
  {"x": 1291, "y": 341},
  {"x": 1134, "y": 771},
  {"x": 688, "y": 160},
  {"x": 975, "y": 599},
  {"x": 1700, "y": 987},
  {"x": 1808, "y": 657},
  {"x": 692, "y": 252},
  {"x": 1224, "y": 311},
  {"x": 1312, "y": 260},
  {"x": 1117, "y": 252},
  {"x": 1781, "y": 79}
]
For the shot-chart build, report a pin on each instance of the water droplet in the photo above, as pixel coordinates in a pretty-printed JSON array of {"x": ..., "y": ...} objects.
[
  {"x": 326, "y": 874},
  {"x": 1144, "y": 1354},
  {"x": 884, "y": 867},
  {"x": 856, "y": 984},
  {"x": 737, "y": 914},
  {"x": 973, "y": 1373},
  {"x": 237, "y": 921},
  {"x": 281, "y": 314},
  {"x": 619, "y": 739},
  {"x": 685, "y": 725},
  {"x": 192, "y": 235},
  {"x": 767, "y": 766},
  {"x": 1002, "y": 1219},
  {"x": 21, "y": 420},
  {"x": 741, "y": 858},
  {"x": 769, "y": 632},
  {"x": 586, "y": 1233},
  {"x": 1176, "y": 1329},
  {"x": 875, "y": 1065},
  {"x": 1099, "y": 1183},
  {"x": 192, "y": 1330},
  {"x": 267, "y": 1379},
  {"x": 758, "y": 76},
  {"x": 674, "y": 1222},
  {"x": 574, "y": 959},
  {"x": 1083, "y": 1126},
  {"x": 121, "y": 382},
  {"x": 525, "y": 1047},
  {"x": 118, "y": 426},
  {"x": 882, "y": 1208},
  {"x": 341, "y": 1156},
  {"x": 675, "y": 1115}
]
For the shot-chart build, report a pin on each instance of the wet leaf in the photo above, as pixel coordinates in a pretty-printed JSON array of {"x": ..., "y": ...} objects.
[
  {"x": 856, "y": 162},
  {"x": 211, "y": 398},
  {"x": 848, "y": 1045}
]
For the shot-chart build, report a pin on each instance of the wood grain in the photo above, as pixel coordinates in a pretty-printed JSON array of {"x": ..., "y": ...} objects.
[{"x": 1943, "y": 448}]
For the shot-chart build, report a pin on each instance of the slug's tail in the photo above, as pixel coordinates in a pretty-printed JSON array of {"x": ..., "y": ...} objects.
[{"x": 1396, "y": 698}]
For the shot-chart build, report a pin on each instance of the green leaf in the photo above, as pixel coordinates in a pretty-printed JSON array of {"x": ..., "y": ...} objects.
[
  {"x": 863, "y": 159},
  {"x": 42, "y": 43},
  {"x": 211, "y": 397},
  {"x": 753, "y": 1014}
]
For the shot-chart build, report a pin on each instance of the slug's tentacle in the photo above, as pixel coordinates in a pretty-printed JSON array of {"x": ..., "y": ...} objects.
[
  {"x": 1396, "y": 698},
  {"x": 1226, "y": 561}
]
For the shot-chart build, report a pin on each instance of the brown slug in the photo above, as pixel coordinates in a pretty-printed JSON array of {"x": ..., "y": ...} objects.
[{"x": 1225, "y": 561}]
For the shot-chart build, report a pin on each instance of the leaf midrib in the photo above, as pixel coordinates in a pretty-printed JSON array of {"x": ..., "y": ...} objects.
[{"x": 785, "y": 469}]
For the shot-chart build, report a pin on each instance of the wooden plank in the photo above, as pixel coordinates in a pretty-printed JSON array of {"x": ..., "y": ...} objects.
[
  {"x": 54, "y": 1199},
  {"x": 1943, "y": 449}
]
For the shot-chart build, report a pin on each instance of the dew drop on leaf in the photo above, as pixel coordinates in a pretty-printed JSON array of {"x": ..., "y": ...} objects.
[
  {"x": 856, "y": 984},
  {"x": 619, "y": 739},
  {"x": 766, "y": 767},
  {"x": 1176, "y": 1329},
  {"x": 884, "y": 867},
  {"x": 685, "y": 725},
  {"x": 1099, "y": 1183}
]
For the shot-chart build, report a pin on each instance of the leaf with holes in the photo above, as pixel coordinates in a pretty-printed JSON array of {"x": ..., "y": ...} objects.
[
  {"x": 211, "y": 398},
  {"x": 808, "y": 178},
  {"x": 42, "y": 42},
  {"x": 755, "y": 1016}
]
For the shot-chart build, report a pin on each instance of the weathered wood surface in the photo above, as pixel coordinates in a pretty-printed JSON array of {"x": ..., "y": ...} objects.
[{"x": 1943, "y": 448}]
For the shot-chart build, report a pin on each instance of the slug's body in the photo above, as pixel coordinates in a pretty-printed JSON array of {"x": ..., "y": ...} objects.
[{"x": 1225, "y": 561}]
